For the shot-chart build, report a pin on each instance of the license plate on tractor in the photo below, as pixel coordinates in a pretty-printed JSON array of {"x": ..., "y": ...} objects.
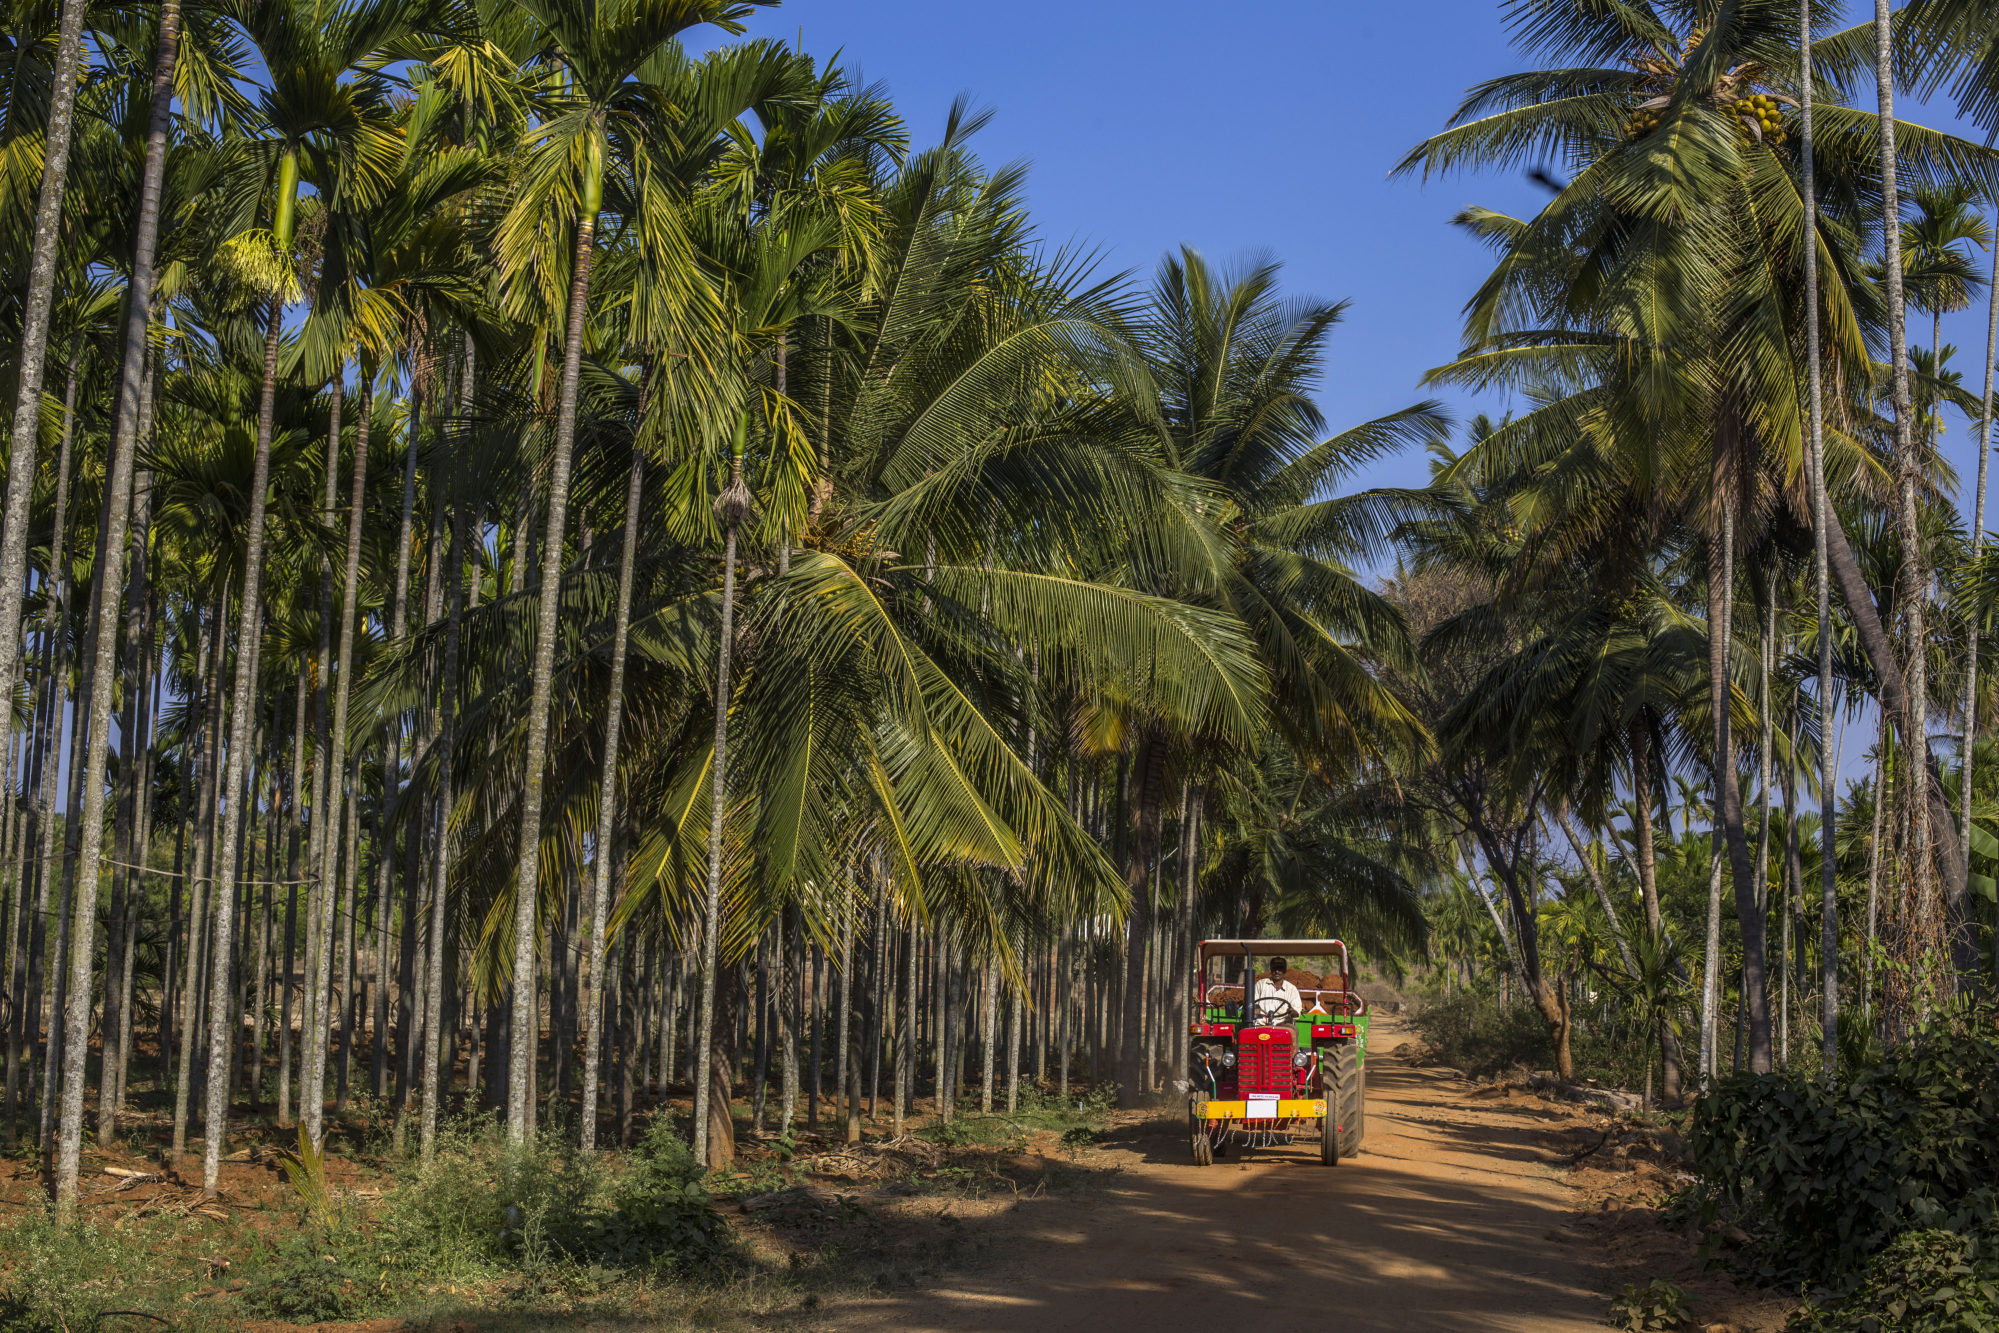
[{"x": 1261, "y": 1109}]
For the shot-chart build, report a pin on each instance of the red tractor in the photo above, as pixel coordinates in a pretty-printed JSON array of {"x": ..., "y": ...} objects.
[{"x": 1277, "y": 1057}]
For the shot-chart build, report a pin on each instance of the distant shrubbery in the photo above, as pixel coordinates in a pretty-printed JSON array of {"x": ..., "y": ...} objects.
[
  {"x": 1469, "y": 1031},
  {"x": 477, "y": 1209},
  {"x": 1880, "y": 1188}
]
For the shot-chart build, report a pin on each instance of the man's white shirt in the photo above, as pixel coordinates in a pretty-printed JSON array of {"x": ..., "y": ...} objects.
[{"x": 1268, "y": 988}]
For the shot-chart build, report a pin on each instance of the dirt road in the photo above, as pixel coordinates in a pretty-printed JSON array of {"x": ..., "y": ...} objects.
[{"x": 1443, "y": 1223}]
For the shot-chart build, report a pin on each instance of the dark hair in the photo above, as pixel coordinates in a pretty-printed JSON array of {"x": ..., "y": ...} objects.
[{"x": 1278, "y": 965}]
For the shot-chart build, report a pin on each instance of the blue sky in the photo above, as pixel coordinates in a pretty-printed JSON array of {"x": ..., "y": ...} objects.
[{"x": 1250, "y": 126}]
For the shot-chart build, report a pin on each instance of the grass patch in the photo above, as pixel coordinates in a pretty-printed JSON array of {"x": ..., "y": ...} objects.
[{"x": 494, "y": 1239}]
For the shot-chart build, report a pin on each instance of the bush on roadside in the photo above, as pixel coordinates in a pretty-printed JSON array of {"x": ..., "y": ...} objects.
[
  {"x": 1655, "y": 1307},
  {"x": 1829, "y": 1175},
  {"x": 1471, "y": 1032},
  {"x": 1929, "y": 1281}
]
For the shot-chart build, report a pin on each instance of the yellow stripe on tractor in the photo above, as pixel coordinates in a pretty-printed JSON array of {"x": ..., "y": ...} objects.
[{"x": 1312, "y": 1108}]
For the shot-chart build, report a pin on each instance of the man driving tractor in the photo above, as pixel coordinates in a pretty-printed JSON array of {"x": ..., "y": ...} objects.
[
  {"x": 1265, "y": 1070},
  {"x": 1276, "y": 987}
]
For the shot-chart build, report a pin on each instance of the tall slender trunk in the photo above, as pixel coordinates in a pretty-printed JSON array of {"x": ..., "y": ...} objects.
[
  {"x": 988, "y": 1033},
  {"x": 905, "y": 1051},
  {"x": 243, "y": 707},
  {"x": 294, "y": 791},
  {"x": 527, "y": 869},
  {"x": 1648, "y": 889},
  {"x": 731, "y": 506},
  {"x": 392, "y": 746},
  {"x": 1874, "y": 858},
  {"x": 1711, "y": 972},
  {"x": 607, "y": 810},
  {"x": 1189, "y": 923},
  {"x": 1149, "y": 781},
  {"x": 1895, "y": 694},
  {"x": 846, "y": 1099},
  {"x": 102, "y": 647},
  {"x": 131, "y": 396},
  {"x": 320, "y": 831},
  {"x": 48, "y": 754},
  {"x": 1794, "y": 880},
  {"x": 1972, "y": 627},
  {"x": 1764, "y": 652},
  {"x": 1730, "y": 838},
  {"x": 130, "y": 834},
  {"x": 202, "y": 764},
  {"x": 436, "y": 1071},
  {"x": 1914, "y": 573},
  {"x": 332, "y": 818},
  {"x": 33, "y": 347},
  {"x": 350, "y": 912},
  {"x": 790, "y": 971},
  {"x": 1822, "y": 582}
]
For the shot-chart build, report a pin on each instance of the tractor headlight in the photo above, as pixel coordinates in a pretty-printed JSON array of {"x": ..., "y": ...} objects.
[
  {"x": 1301, "y": 1059},
  {"x": 1228, "y": 1059}
]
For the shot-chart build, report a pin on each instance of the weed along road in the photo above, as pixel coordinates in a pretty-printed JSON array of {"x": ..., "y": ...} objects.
[{"x": 1444, "y": 1222}]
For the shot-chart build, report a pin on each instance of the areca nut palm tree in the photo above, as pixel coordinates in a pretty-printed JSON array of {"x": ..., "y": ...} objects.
[
  {"x": 35, "y": 331},
  {"x": 110, "y": 578},
  {"x": 599, "y": 120},
  {"x": 326, "y": 98}
]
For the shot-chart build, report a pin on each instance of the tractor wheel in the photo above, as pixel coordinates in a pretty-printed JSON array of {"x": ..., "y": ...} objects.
[
  {"x": 1197, "y": 1134},
  {"x": 1346, "y": 1090},
  {"x": 1329, "y": 1139}
]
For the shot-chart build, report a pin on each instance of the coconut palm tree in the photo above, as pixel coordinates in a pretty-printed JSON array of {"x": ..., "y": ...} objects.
[
  {"x": 1908, "y": 464},
  {"x": 1599, "y": 285},
  {"x": 1219, "y": 389}
]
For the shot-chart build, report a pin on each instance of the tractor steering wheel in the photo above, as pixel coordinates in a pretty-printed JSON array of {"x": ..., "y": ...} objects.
[{"x": 1278, "y": 1010}]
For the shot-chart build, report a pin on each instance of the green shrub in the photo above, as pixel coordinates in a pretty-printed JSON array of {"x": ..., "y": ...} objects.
[
  {"x": 481, "y": 1208},
  {"x": 18, "y": 1314},
  {"x": 1470, "y": 1032},
  {"x": 1652, "y": 1308},
  {"x": 1080, "y": 1138},
  {"x": 1831, "y": 1174},
  {"x": 657, "y": 1211},
  {"x": 1922, "y": 1282},
  {"x": 315, "y": 1276},
  {"x": 446, "y": 1218},
  {"x": 60, "y": 1277}
]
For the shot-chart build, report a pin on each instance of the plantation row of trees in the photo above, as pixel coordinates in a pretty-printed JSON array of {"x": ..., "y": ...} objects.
[
  {"x": 1720, "y": 531},
  {"x": 428, "y": 411},
  {"x": 537, "y": 563}
]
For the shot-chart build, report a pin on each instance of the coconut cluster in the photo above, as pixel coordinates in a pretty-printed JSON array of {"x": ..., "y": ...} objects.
[
  {"x": 1642, "y": 122},
  {"x": 1762, "y": 115}
]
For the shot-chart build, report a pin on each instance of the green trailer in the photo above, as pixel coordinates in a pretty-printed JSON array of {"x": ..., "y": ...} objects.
[{"x": 1271, "y": 1065}]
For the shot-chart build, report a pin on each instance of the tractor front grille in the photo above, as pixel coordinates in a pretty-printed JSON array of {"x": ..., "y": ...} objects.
[{"x": 1263, "y": 1061}]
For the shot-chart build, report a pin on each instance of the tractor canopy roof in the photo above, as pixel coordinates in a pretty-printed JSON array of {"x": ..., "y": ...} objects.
[{"x": 1274, "y": 948}]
